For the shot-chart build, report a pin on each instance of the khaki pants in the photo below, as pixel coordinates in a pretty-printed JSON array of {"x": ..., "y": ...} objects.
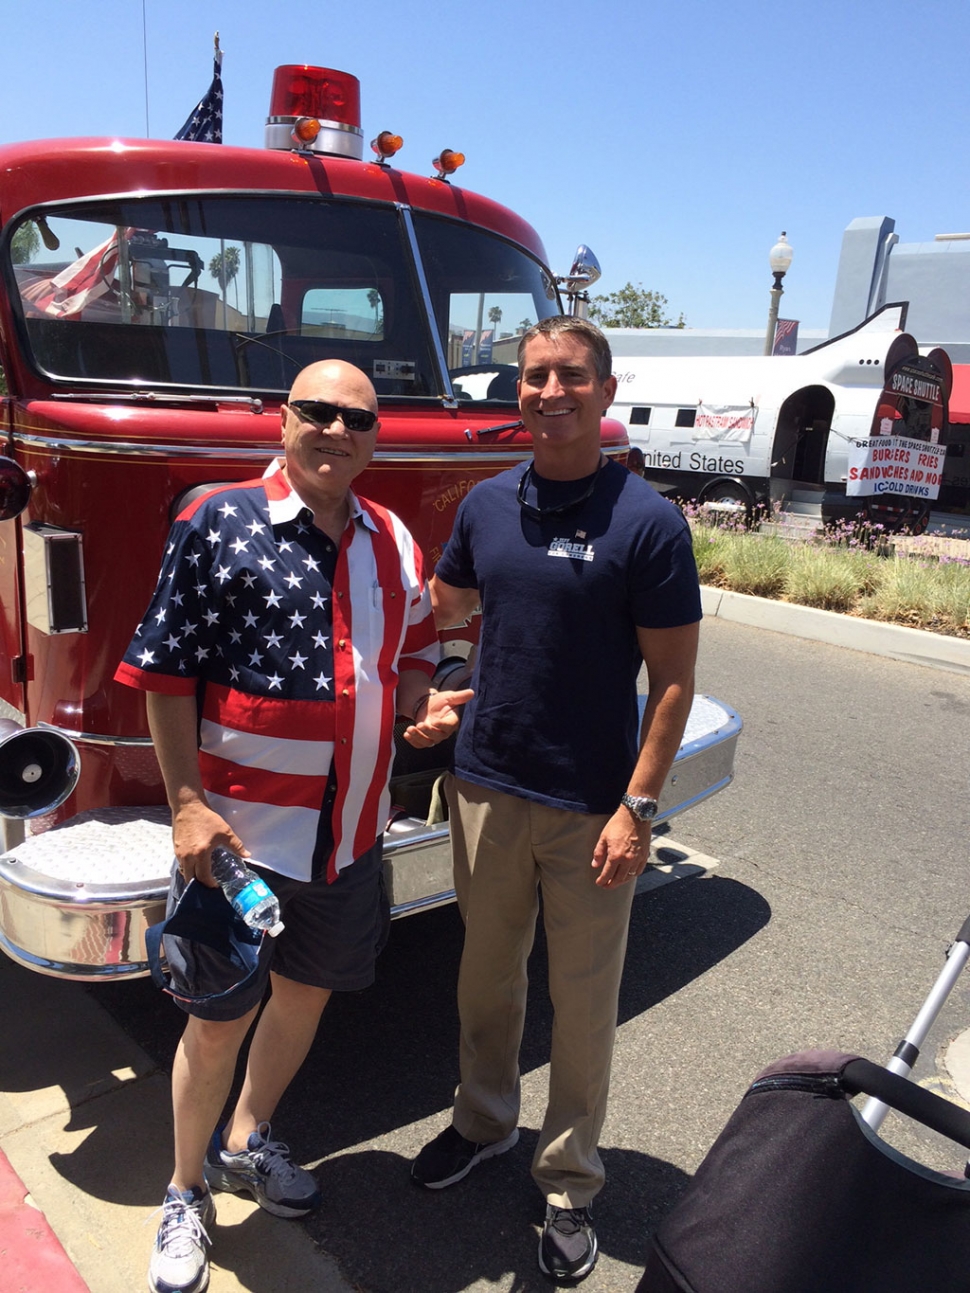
[{"x": 504, "y": 849}]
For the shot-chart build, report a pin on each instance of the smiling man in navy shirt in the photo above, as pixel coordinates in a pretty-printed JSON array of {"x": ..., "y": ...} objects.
[{"x": 583, "y": 574}]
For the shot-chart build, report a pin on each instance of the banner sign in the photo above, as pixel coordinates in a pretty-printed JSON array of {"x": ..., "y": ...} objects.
[
  {"x": 468, "y": 348},
  {"x": 485, "y": 347},
  {"x": 786, "y": 337},
  {"x": 733, "y": 422},
  {"x": 913, "y": 401},
  {"x": 903, "y": 454},
  {"x": 894, "y": 464}
]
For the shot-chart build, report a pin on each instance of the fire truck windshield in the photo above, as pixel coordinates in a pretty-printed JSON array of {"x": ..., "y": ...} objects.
[{"x": 238, "y": 293}]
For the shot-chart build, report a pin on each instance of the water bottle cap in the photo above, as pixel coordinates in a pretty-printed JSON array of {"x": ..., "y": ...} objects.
[{"x": 276, "y": 929}]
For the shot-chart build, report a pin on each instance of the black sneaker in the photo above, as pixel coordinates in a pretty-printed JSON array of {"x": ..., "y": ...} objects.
[
  {"x": 567, "y": 1247},
  {"x": 449, "y": 1157},
  {"x": 265, "y": 1170}
]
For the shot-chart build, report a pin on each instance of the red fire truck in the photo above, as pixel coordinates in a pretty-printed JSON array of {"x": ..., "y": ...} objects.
[{"x": 158, "y": 299}]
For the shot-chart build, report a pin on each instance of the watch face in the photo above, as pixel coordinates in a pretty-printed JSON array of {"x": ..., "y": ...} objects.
[{"x": 641, "y": 806}]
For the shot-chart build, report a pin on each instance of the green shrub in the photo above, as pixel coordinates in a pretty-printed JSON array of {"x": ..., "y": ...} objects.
[
  {"x": 832, "y": 578},
  {"x": 710, "y": 545},
  {"x": 841, "y": 574},
  {"x": 756, "y": 564},
  {"x": 932, "y": 595}
]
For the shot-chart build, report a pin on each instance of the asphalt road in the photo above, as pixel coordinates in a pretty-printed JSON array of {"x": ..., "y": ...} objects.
[{"x": 841, "y": 876}]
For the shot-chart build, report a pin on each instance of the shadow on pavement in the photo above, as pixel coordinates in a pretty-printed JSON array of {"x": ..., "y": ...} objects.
[
  {"x": 51, "y": 1038},
  {"x": 387, "y": 1057},
  {"x": 389, "y": 1237}
]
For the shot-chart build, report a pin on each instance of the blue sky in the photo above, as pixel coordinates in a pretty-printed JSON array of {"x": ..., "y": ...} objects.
[{"x": 677, "y": 140}]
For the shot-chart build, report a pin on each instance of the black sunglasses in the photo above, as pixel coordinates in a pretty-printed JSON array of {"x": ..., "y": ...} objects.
[
  {"x": 540, "y": 513},
  {"x": 323, "y": 414}
]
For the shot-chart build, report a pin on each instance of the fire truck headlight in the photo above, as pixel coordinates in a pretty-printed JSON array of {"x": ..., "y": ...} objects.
[
  {"x": 15, "y": 487},
  {"x": 447, "y": 162}
]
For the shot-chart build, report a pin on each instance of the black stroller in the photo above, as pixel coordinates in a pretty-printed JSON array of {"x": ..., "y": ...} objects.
[{"x": 799, "y": 1195}]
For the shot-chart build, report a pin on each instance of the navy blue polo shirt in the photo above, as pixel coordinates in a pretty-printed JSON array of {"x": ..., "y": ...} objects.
[{"x": 554, "y": 716}]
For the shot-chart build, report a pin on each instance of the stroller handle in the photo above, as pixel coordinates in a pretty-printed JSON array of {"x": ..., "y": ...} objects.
[{"x": 915, "y": 1101}]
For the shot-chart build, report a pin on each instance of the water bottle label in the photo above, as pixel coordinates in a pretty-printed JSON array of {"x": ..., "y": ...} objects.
[{"x": 256, "y": 892}]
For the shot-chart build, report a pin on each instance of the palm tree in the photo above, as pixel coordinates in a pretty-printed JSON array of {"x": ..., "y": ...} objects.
[
  {"x": 495, "y": 317},
  {"x": 224, "y": 266},
  {"x": 374, "y": 300}
]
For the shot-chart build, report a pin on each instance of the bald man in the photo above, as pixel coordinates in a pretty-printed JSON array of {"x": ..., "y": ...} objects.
[{"x": 290, "y": 624}]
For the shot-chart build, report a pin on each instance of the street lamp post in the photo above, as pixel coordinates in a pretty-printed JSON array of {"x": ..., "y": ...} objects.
[{"x": 779, "y": 258}]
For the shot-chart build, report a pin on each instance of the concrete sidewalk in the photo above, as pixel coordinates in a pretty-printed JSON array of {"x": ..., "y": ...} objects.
[
  {"x": 85, "y": 1131},
  {"x": 85, "y": 1118}
]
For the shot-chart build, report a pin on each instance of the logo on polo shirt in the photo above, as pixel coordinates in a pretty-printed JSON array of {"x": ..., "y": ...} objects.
[{"x": 571, "y": 548}]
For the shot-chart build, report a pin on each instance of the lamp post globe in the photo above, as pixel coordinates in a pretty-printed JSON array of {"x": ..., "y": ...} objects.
[{"x": 779, "y": 258}]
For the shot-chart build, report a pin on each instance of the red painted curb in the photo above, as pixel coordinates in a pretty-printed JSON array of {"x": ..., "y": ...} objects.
[{"x": 31, "y": 1255}]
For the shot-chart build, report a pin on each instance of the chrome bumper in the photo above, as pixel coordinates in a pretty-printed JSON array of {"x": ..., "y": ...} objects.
[{"x": 76, "y": 900}]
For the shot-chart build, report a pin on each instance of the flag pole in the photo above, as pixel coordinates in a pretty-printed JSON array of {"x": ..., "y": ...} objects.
[{"x": 144, "y": 43}]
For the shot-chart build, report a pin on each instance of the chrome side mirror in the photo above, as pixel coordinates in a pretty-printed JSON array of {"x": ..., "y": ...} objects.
[{"x": 585, "y": 271}]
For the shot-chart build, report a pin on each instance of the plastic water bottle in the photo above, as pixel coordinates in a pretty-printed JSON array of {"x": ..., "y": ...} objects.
[{"x": 250, "y": 896}]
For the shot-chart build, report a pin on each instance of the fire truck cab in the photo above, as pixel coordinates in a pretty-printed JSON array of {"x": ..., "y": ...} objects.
[{"x": 157, "y": 300}]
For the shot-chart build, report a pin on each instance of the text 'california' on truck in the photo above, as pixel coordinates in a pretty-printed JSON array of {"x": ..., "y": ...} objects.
[{"x": 158, "y": 299}]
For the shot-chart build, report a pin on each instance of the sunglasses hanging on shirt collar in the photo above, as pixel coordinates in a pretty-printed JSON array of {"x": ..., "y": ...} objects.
[{"x": 557, "y": 509}]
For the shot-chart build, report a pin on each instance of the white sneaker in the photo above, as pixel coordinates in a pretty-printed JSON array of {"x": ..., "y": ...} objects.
[{"x": 180, "y": 1261}]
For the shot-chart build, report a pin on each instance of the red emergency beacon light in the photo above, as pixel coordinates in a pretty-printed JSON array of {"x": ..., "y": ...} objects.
[{"x": 316, "y": 109}]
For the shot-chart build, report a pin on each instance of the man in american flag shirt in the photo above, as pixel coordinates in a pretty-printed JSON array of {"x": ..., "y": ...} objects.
[{"x": 290, "y": 624}]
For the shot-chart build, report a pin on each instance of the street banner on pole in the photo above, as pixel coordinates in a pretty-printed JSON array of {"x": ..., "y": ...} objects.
[{"x": 786, "y": 337}]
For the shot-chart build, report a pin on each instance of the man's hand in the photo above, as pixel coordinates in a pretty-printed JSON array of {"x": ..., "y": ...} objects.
[
  {"x": 622, "y": 851},
  {"x": 196, "y": 831},
  {"x": 196, "y": 828},
  {"x": 441, "y": 718}
]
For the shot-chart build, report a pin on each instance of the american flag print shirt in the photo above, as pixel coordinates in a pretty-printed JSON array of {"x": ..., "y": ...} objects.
[{"x": 295, "y": 671}]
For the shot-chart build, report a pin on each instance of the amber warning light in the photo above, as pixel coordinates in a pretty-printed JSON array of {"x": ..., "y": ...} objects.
[
  {"x": 447, "y": 162},
  {"x": 386, "y": 145},
  {"x": 315, "y": 109}
]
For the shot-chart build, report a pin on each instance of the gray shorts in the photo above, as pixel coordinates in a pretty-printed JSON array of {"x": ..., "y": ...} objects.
[{"x": 334, "y": 934}]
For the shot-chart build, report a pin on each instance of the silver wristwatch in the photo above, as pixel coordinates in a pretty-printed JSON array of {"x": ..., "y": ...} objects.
[{"x": 643, "y": 808}]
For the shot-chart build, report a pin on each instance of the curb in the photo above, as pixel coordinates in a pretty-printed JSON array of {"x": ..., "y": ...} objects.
[
  {"x": 33, "y": 1259},
  {"x": 957, "y": 1063},
  {"x": 914, "y": 646}
]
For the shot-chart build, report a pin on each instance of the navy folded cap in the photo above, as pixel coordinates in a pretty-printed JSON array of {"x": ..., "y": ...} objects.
[{"x": 203, "y": 951}]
